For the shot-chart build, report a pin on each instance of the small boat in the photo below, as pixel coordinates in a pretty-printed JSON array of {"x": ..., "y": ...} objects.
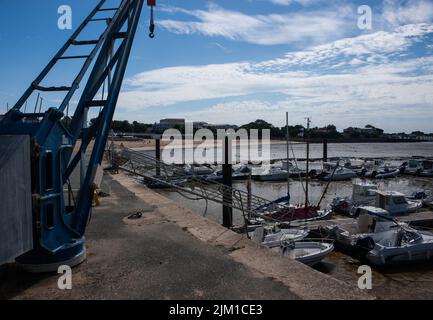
[
  {"x": 286, "y": 242},
  {"x": 282, "y": 210},
  {"x": 274, "y": 236},
  {"x": 426, "y": 197},
  {"x": 272, "y": 174},
  {"x": 379, "y": 169},
  {"x": 422, "y": 168},
  {"x": 384, "y": 241},
  {"x": 294, "y": 171},
  {"x": 396, "y": 203},
  {"x": 240, "y": 173},
  {"x": 382, "y": 173},
  {"x": 198, "y": 170},
  {"x": 362, "y": 194},
  {"x": 338, "y": 174},
  {"x": 309, "y": 253}
]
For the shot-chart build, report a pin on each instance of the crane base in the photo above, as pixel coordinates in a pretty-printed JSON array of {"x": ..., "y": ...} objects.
[{"x": 41, "y": 262}]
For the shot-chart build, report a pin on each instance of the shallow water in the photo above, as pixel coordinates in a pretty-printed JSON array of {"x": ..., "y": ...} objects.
[{"x": 365, "y": 150}]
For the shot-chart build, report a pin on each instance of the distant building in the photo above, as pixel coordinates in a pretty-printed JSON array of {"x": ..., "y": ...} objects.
[
  {"x": 221, "y": 126},
  {"x": 368, "y": 131},
  {"x": 172, "y": 122},
  {"x": 1, "y": 117},
  {"x": 167, "y": 124}
]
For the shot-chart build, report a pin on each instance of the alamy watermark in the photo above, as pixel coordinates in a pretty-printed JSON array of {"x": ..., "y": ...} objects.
[
  {"x": 365, "y": 17},
  {"x": 205, "y": 147},
  {"x": 64, "y": 21},
  {"x": 65, "y": 280},
  {"x": 366, "y": 279}
]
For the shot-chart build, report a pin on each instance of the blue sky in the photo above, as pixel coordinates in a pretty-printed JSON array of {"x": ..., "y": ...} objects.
[{"x": 236, "y": 61}]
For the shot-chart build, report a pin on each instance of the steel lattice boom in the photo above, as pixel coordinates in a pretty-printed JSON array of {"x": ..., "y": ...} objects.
[{"x": 58, "y": 228}]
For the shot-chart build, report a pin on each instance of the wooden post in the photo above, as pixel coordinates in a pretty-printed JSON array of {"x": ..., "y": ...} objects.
[
  {"x": 325, "y": 150},
  {"x": 158, "y": 156},
  {"x": 227, "y": 181}
]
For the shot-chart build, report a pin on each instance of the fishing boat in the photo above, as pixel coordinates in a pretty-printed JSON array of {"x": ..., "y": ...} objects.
[
  {"x": 384, "y": 241},
  {"x": 362, "y": 194},
  {"x": 396, "y": 203}
]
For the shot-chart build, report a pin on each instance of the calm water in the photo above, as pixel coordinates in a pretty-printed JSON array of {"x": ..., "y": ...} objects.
[{"x": 366, "y": 150}]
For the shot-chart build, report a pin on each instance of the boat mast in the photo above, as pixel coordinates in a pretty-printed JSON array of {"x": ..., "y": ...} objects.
[
  {"x": 287, "y": 160},
  {"x": 307, "y": 169}
]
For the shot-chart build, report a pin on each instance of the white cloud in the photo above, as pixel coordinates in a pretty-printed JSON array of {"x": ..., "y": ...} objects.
[
  {"x": 298, "y": 27},
  {"x": 355, "y": 79},
  {"x": 398, "y": 12},
  {"x": 289, "y": 2}
]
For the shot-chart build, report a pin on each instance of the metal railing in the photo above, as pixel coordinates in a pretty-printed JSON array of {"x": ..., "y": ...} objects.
[{"x": 175, "y": 176}]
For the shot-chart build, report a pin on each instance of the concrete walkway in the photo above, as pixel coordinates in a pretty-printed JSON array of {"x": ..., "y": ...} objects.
[{"x": 171, "y": 253}]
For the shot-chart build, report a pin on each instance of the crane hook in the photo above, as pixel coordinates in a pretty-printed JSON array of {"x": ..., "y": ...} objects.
[{"x": 152, "y": 24}]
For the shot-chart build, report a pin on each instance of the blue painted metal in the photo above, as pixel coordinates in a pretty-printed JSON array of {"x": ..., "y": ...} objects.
[{"x": 59, "y": 229}]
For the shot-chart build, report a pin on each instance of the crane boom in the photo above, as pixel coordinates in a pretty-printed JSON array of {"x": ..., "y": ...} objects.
[{"x": 58, "y": 227}]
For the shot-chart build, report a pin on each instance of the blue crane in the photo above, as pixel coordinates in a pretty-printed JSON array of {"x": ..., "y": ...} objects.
[{"x": 58, "y": 227}]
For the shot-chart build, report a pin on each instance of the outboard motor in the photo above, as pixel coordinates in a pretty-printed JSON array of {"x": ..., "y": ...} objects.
[{"x": 365, "y": 245}]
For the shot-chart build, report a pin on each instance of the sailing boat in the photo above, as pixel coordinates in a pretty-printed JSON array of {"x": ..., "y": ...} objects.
[{"x": 282, "y": 210}]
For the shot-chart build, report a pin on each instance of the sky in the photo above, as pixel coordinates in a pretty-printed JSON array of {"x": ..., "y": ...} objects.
[{"x": 227, "y": 61}]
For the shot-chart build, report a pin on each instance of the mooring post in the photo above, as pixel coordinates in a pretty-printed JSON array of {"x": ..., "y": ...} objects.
[
  {"x": 227, "y": 181},
  {"x": 325, "y": 150},
  {"x": 158, "y": 155},
  {"x": 249, "y": 195}
]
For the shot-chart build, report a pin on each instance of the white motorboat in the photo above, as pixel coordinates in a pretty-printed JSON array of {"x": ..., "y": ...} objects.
[
  {"x": 396, "y": 203},
  {"x": 339, "y": 174},
  {"x": 309, "y": 253},
  {"x": 286, "y": 242},
  {"x": 384, "y": 241},
  {"x": 422, "y": 168},
  {"x": 272, "y": 174},
  {"x": 426, "y": 197},
  {"x": 275, "y": 237}
]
